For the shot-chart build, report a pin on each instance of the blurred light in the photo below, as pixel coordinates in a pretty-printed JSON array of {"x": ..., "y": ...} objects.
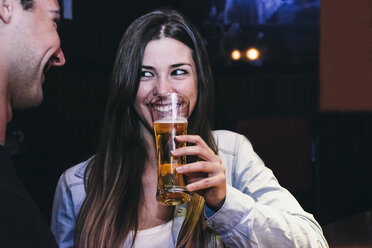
[
  {"x": 235, "y": 55},
  {"x": 67, "y": 9},
  {"x": 252, "y": 53}
]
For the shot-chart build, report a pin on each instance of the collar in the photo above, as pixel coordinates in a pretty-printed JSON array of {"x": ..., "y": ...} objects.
[{"x": 81, "y": 168}]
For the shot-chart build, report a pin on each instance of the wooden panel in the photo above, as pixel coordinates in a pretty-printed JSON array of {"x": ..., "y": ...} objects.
[{"x": 346, "y": 56}]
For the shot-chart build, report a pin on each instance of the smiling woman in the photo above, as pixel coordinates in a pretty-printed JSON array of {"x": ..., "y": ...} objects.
[{"x": 110, "y": 200}]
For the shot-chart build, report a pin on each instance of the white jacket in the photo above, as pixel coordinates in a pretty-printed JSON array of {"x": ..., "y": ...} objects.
[{"x": 257, "y": 212}]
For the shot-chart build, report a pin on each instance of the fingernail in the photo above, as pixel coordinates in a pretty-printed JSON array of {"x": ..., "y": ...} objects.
[{"x": 179, "y": 169}]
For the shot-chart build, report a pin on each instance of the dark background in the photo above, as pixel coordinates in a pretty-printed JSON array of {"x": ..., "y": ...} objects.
[{"x": 323, "y": 158}]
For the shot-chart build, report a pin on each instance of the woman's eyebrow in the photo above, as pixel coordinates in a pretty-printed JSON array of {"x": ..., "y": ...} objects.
[
  {"x": 147, "y": 67},
  {"x": 180, "y": 64}
]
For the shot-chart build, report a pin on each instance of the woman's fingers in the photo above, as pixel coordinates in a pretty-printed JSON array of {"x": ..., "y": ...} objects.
[
  {"x": 200, "y": 149},
  {"x": 206, "y": 176},
  {"x": 206, "y": 183},
  {"x": 195, "y": 139},
  {"x": 201, "y": 166}
]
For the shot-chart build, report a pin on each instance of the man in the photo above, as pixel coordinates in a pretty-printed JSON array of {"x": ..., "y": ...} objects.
[{"x": 29, "y": 46}]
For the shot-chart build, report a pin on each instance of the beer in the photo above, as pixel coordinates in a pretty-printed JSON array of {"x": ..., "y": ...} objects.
[
  {"x": 171, "y": 185},
  {"x": 169, "y": 114}
]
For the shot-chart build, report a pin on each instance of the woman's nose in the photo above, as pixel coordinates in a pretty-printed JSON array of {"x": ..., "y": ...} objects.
[{"x": 163, "y": 86}]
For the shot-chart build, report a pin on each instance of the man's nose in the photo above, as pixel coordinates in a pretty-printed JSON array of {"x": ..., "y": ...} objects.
[{"x": 58, "y": 58}]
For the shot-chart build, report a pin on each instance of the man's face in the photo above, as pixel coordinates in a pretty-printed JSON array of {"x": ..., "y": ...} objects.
[{"x": 36, "y": 49}]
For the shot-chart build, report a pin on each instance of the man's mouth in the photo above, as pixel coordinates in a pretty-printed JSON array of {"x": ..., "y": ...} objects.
[{"x": 47, "y": 67}]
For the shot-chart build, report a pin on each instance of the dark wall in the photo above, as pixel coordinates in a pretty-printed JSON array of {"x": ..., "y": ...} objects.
[
  {"x": 265, "y": 92},
  {"x": 345, "y": 164}
]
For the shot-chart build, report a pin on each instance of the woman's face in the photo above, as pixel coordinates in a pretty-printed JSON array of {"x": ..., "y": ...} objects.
[{"x": 167, "y": 67}]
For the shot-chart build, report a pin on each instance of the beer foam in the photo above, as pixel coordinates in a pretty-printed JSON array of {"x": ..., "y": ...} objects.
[{"x": 170, "y": 119}]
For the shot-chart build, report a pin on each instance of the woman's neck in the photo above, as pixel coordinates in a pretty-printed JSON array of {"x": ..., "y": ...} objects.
[{"x": 152, "y": 213}]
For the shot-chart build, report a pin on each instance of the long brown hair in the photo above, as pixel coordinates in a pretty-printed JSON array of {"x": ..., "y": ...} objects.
[{"x": 113, "y": 177}]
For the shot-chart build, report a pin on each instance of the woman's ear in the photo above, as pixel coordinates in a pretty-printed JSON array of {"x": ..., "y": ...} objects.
[{"x": 6, "y": 10}]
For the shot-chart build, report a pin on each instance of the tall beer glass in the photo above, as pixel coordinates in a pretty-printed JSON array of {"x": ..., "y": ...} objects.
[{"x": 169, "y": 113}]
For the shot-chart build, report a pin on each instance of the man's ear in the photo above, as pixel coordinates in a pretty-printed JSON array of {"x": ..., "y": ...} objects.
[{"x": 6, "y": 10}]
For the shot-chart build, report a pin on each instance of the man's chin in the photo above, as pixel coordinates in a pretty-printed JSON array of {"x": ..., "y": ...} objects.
[{"x": 27, "y": 103}]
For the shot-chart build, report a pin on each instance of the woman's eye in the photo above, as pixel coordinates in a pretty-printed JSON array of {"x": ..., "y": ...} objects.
[
  {"x": 146, "y": 74},
  {"x": 178, "y": 72}
]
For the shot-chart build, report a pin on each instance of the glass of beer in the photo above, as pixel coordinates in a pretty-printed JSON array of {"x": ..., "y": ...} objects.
[{"x": 169, "y": 113}]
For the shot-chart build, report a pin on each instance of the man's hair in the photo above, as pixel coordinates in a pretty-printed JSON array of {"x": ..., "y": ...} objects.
[{"x": 27, "y": 4}]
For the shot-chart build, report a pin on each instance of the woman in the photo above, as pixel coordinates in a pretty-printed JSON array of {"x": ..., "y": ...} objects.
[{"x": 110, "y": 200}]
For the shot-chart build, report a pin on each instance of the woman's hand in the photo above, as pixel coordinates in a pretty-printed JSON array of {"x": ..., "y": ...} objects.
[{"x": 206, "y": 176}]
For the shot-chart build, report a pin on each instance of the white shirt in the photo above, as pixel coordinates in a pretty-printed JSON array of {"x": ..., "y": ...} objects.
[{"x": 155, "y": 237}]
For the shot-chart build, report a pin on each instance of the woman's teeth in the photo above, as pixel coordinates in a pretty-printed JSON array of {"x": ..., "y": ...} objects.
[{"x": 164, "y": 108}]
